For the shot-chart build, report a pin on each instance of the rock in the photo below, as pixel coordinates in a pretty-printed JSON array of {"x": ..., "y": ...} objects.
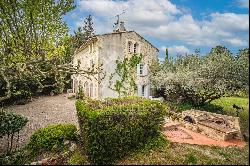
[
  {"x": 39, "y": 162},
  {"x": 66, "y": 142},
  {"x": 55, "y": 147},
  {"x": 65, "y": 154},
  {"x": 33, "y": 163},
  {"x": 72, "y": 147},
  {"x": 44, "y": 161},
  {"x": 53, "y": 161}
]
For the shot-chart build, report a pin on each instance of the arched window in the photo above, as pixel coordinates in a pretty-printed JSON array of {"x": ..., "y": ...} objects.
[
  {"x": 86, "y": 89},
  {"x": 129, "y": 46},
  {"x": 136, "y": 45},
  {"x": 91, "y": 90}
]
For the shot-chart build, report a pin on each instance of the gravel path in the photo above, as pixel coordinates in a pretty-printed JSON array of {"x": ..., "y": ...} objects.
[{"x": 42, "y": 112}]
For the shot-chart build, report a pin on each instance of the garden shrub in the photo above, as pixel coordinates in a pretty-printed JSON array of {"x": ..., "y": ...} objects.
[
  {"x": 46, "y": 138},
  {"x": 11, "y": 124},
  {"x": 112, "y": 128}
]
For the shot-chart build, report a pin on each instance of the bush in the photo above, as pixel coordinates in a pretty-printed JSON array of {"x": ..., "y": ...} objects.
[
  {"x": 10, "y": 124},
  {"x": 46, "y": 138},
  {"x": 112, "y": 128}
]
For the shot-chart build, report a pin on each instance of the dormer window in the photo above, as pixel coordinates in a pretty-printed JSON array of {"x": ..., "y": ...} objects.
[
  {"x": 129, "y": 46},
  {"x": 136, "y": 45}
]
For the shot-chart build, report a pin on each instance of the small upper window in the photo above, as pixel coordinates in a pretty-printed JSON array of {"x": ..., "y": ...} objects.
[
  {"x": 136, "y": 45},
  {"x": 141, "y": 69},
  {"x": 129, "y": 46}
]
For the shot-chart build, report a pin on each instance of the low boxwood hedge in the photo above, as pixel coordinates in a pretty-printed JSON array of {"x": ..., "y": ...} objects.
[
  {"x": 112, "y": 128},
  {"x": 46, "y": 138}
]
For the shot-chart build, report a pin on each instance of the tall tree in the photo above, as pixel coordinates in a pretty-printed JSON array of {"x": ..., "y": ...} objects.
[
  {"x": 166, "y": 58},
  {"x": 88, "y": 28},
  {"x": 33, "y": 43},
  {"x": 82, "y": 34}
]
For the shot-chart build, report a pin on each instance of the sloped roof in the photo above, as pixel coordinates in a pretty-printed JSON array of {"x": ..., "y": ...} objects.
[
  {"x": 112, "y": 33},
  {"x": 130, "y": 32}
]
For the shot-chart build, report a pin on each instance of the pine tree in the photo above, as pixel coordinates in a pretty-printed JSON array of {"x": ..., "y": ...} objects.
[
  {"x": 166, "y": 58},
  {"x": 82, "y": 34},
  {"x": 88, "y": 28}
]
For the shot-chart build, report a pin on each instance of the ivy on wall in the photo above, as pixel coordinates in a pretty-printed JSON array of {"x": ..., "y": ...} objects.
[{"x": 125, "y": 70}]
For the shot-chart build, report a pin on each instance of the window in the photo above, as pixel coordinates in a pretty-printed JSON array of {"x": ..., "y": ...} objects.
[
  {"x": 143, "y": 90},
  {"x": 136, "y": 48},
  {"x": 141, "y": 69},
  {"x": 129, "y": 46},
  {"x": 78, "y": 62}
]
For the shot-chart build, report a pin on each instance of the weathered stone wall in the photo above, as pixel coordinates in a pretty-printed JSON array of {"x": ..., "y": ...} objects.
[
  {"x": 107, "y": 49},
  {"x": 229, "y": 130},
  {"x": 114, "y": 47},
  {"x": 86, "y": 56}
]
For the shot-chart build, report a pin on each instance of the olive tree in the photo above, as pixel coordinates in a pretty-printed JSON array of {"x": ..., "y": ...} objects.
[{"x": 197, "y": 79}]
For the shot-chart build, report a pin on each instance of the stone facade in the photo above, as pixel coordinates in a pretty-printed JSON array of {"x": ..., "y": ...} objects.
[
  {"x": 106, "y": 49},
  {"x": 216, "y": 126}
]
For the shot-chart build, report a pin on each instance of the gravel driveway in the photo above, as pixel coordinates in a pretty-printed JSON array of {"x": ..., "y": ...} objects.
[{"x": 41, "y": 112}]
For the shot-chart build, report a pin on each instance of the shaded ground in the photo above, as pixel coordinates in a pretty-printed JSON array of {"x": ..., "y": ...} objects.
[{"x": 42, "y": 112}]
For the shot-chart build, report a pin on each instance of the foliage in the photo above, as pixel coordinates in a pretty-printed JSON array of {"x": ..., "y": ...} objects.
[
  {"x": 199, "y": 80},
  {"x": 82, "y": 34},
  {"x": 46, "y": 138},
  {"x": 78, "y": 158},
  {"x": 125, "y": 70},
  {"x": 80, "y": 93},
  {"x": 35, "y": 48},
  {"x": 19, "y": 157},
  {"x": 166, "y": 58},
  {"x": 111, "y": 129},
  {"x": 191, "y": 159},
  {"x": 11, "y": 124}
]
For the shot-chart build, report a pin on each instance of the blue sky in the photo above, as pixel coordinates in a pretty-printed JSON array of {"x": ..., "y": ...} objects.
[{"x": 179, "y": 25}]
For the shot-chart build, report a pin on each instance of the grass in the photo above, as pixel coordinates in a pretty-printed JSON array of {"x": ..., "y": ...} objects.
[
  {"x": 184, "y": 154},
  {"x": 161, "y": 151}
]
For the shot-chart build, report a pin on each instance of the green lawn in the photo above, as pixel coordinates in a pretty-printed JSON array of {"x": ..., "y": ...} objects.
[
  {"x": 184, "y": 154},
  {"x": 162, "y": 152},
  {"x": 227, "y": 102}
]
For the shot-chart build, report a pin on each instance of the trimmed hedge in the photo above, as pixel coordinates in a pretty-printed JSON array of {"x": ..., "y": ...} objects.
[
  {"x": 112, "y": 128},
  {"x": 46, "y": 138}
]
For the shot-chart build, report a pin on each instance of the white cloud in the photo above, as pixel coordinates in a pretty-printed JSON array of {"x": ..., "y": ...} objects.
[
  {"x": 176, "y": 50},
  {"x": 164, "y": 20},
  {"x": 236, "y": 42},
  {"x": 244, "y": 3}
]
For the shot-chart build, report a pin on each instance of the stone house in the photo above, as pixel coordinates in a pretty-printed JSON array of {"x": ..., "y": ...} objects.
[{"x": 106, "y": 49}]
